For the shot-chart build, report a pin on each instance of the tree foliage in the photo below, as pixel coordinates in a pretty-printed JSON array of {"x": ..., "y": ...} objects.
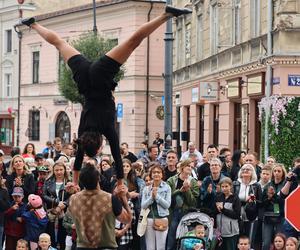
[
  {"x": 92, "y": 47},
  {"x": 284, "y": 137}
]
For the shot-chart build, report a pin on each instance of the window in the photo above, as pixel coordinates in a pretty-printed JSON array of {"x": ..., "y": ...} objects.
[
  {"x": 237, "y": 22},
  {"x": 6, "y": 132},
  {"x": 34, "y": 125},
  {"x": 187, "y": 42},
  {"x": 35, "y": 66},
  {"x": 200, "y": 37},
  {"x": 216, "y": 125},
  {"x": 60, "y": 65},
  {"x": 8, "y": 41},
  {"x": 8, "y": 87},
  {"x": 179, "y": 44},
  {"x": 255, "y": 17},
  {"x": 214, "y": 29}
]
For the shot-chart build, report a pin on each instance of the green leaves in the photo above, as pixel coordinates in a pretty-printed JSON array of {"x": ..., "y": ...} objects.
[
  {"x": 284, "y": 146},
  {"x": 92, "y": 47}
]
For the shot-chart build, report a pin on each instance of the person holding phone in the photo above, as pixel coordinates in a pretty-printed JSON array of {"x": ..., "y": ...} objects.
[
  {"x": 273, "y": 205},
  {"x": 250, "y": 194}
]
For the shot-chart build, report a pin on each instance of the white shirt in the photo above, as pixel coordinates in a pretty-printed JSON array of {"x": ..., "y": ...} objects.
[{"x": 186, "y": 155}]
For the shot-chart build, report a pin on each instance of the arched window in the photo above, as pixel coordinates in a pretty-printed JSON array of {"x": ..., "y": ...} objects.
[{"x": 63, "y": 127}]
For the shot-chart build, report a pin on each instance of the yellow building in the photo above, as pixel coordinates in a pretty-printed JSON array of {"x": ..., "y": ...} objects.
[{"x": 220, "y": 60}]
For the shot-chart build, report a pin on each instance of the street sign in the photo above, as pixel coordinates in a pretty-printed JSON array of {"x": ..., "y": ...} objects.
[
  {"x": 292, "y": 208},
  {"x": 294, "y": 80},
  {"x": 119, "y": 112}
]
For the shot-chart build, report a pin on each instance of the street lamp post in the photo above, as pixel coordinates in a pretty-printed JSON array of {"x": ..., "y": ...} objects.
[
  {"x": 168, "y": 81},
  {"x": 94, "y": 16}
]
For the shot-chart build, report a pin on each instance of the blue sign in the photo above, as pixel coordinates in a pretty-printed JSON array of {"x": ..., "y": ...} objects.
[
  {"x": 294, "y": 80},
  {"x": 276, "y": 80},
  {"x": 163, "y": 100},
  {"x": 120, "y": 111}
]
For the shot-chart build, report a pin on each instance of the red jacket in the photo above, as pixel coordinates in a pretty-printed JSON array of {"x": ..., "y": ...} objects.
[{"x": 12, "y": 227}]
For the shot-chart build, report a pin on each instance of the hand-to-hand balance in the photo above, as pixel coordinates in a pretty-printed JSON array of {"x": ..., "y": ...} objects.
[{"x": 95, "y": 82}]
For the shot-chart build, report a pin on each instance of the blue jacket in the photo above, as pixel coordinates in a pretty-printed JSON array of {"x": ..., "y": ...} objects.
[
  {"x": 163, "y": 198},
  {"x": 34, "y": 226}
]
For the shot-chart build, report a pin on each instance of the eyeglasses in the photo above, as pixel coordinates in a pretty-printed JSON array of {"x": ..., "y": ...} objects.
[
  {"x": 156, "y": 172},
  {"x": 246, "y": 169},
  {"x": 138, "y": 169}
]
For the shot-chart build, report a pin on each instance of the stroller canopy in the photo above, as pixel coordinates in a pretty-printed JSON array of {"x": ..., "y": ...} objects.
[{"x": 193, "y": 218}]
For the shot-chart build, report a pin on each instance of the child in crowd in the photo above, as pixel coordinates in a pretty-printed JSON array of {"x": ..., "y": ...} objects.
[
  {"x": 147, "y": 179},
  {"x": 45, "y": 242},
  {"x": 35, "y": 220},
  {"x": 228, "y": 210},
  {"x": 14, "y": 227},
  {"x": 266, "y": 174},
  {"x": 22, "y": 245},
  {"x": 42, "y": 175},
  {"x": 194, "y": 243},
  {"x": 291, "y": 244}
]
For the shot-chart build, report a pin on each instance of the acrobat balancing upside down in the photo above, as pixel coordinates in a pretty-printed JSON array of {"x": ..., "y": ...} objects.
[{"x": 95, "y": 82}]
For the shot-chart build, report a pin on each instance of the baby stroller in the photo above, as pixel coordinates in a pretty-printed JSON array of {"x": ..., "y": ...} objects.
[{"x": 188, "y": 223}]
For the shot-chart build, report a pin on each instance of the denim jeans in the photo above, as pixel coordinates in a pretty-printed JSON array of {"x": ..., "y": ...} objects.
[
  {"x": 268, "y": 232},
  {"x": 1, "y": 235},
  {"x": 289, "y": 230},
  {"x": 171, "y": 239}
]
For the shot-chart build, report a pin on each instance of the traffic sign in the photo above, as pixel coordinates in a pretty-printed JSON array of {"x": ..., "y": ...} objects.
[
  {"x": 119, "y": 112},
  {"x": 292, "y": 208}
]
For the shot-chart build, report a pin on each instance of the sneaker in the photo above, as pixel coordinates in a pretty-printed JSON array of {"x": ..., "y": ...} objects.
[
  {"x": 177, "y": 12},
  {"x": 28, "y": 21}
]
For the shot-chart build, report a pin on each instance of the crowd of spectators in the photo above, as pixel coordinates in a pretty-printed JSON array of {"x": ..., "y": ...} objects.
[{"x": 243, "y": 197}]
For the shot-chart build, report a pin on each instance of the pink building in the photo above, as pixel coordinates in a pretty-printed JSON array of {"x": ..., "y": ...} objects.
[{"x": 45, "y": 114}]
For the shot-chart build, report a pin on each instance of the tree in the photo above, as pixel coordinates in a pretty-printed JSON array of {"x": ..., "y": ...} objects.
[{"x": 92, "y": 47}]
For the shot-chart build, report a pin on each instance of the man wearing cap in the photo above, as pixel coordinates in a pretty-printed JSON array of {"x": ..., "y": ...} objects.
[
  {"x": 3, "y": 171},
  {"x": 42, "y": 172}
]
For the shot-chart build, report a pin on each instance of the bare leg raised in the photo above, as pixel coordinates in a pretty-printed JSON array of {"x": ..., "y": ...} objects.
[
  {"x": 65, "y": 49},
  {"x": 121, "y": 52}
]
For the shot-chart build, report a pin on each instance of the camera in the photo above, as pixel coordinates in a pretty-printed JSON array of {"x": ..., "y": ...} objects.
[
  {"x": 222, "y": 158},
  {"x": 296, "y": 175}
]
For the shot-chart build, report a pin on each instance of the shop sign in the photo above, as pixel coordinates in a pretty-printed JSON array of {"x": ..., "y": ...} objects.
[
  {"x": 233, "y": 90},
  {"x": 294, "y": 80},
  {"x": 195, "y": 94},
  {"x": 209, "y": 91},
  {"x": 255, "y": 85},
  {"x": 276, "y": 80}
]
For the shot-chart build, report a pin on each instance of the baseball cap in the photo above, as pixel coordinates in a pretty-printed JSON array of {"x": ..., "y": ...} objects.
[
  {"x": 18, "y": 191},
  {"x": 39, "y": 156},
  {"x": 1, "y": 152},
  {"x": 43, "y": 169}
]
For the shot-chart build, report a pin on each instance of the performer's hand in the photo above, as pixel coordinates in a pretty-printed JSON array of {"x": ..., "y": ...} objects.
[{"x": 121, "y": 191}]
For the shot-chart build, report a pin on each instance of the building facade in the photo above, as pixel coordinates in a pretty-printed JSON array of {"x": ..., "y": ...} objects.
[
  {"x": 10, "y": 13},
  {"x": 45, "y": 114},
  {"x": 220, "y": 75}
]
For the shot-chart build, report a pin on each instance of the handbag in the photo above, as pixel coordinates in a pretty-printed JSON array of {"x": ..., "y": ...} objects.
[
  {"x": 251, "y": 209},
  {"x": 159, "y": 224},
  {"x": 142, "y": 223}
]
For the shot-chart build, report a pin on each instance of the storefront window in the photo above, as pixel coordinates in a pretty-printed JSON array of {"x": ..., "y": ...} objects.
[{"x": 6, "y": 132}]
